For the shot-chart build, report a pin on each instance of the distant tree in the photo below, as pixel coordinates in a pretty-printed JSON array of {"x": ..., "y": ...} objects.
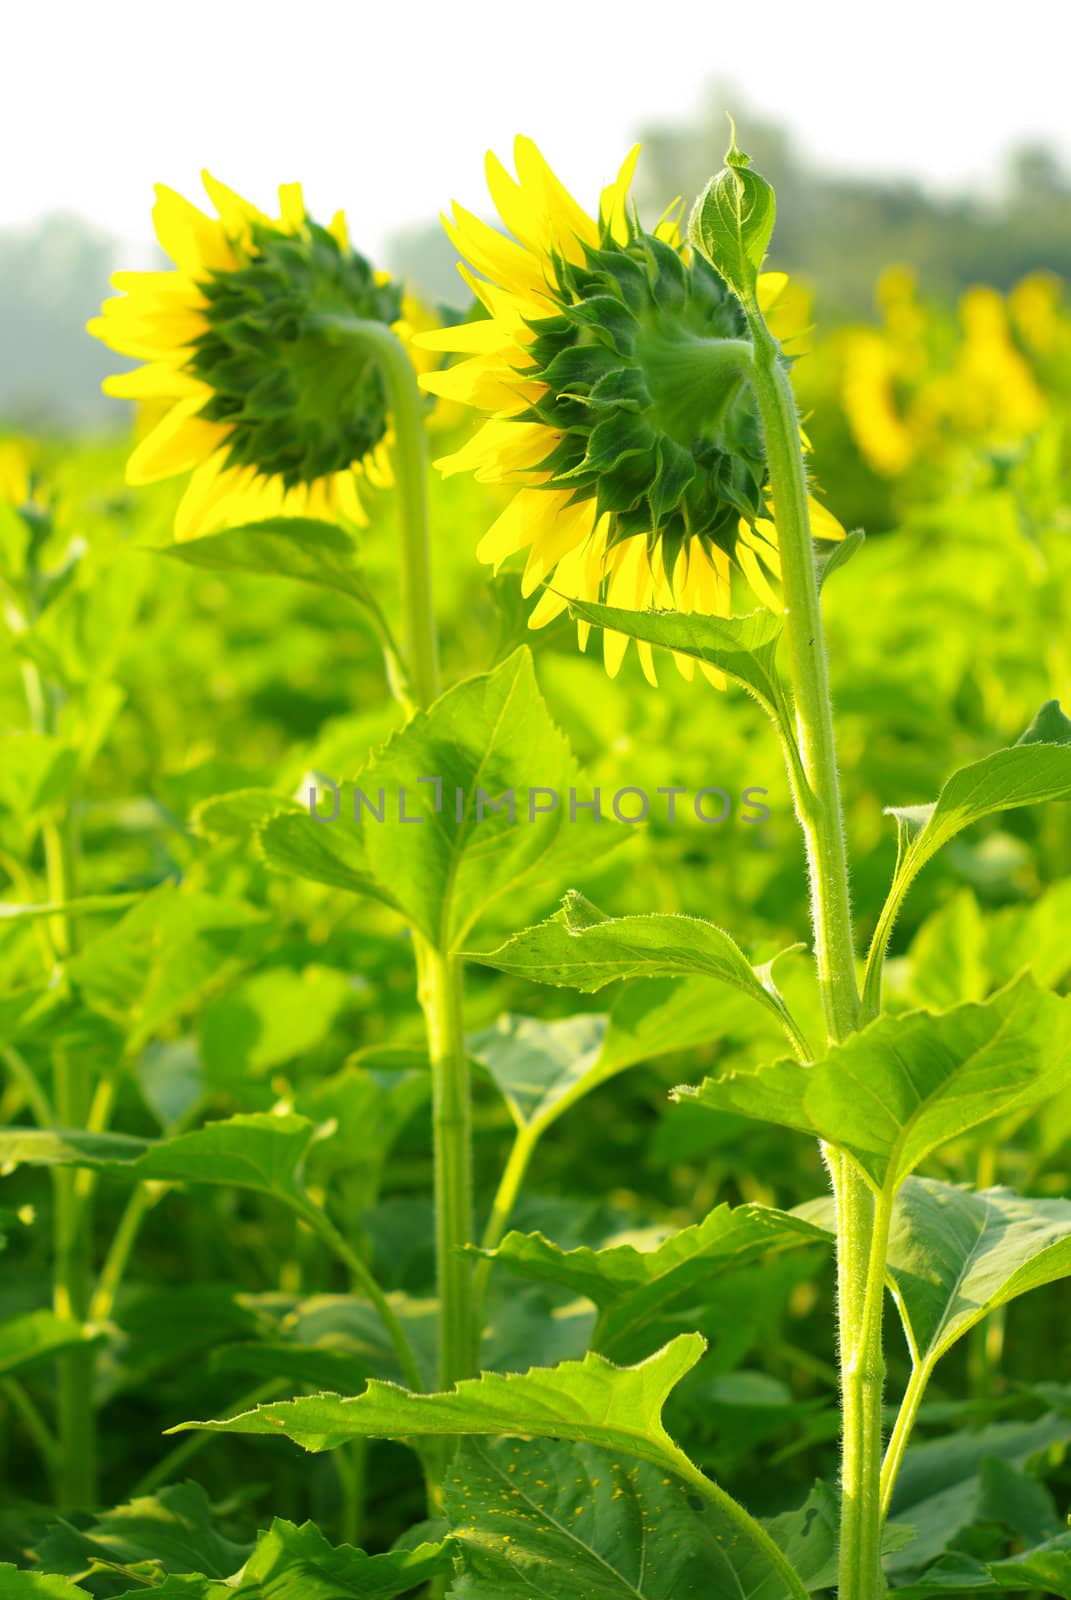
[{"x": 53, "y": 277}]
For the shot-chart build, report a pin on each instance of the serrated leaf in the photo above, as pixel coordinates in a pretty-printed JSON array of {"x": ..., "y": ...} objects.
[
  {"x": 173, "y": 1528},
  {"x": 589, "y": 1400},
  {"x": 744, "y": 648},
  {"x": 305, "y": 548},
  {"x": 579, "y": 947},
  {"x": 905, "y": 1085},
  {"x": 258, "y": 1152},
  {"x": 544, "y": 1067},
  {"x": 298, "y": 1563},
  {"x": 956, "y": 1255},
  {"x": 537, "y": 1063},
  {"x": 642, "y": 1294},
  {"x": 562, "y": 1520}
]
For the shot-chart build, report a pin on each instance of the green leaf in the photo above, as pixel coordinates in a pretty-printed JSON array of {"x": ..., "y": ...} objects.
[
  {"x": 18, "y": 1584},
  {"x": 559, "y": 1521},
  {"x": 638, "y": 1291},
  {"x": 589, "y": 1400},
  {"x": 1024, "y": 775},
  {"x": 744, "y": 648},
  {"x": 839, "y": 553},
  {"x": 175, "y": 946},
  {"x": 328, "y": 852},
  {"x": 939, "y": 1491},
  {"x": 314, "y": 552},
  {"x": 538, "y": 1064},
  {"x": 34, "y": 1336},
  {"x": 905, "y": 1085},
  {"x": 172, "y": 1529},
  {"x": 488, "y": 738},
  {"x": 1049, "y": 726},
  {"x": 956, "y": 1255},
  {"x": 1027, "y": 774},
  {"x": 545, "y": 1067},
  {"x": 1045, "y": 1570},
  {"x": 297, "y": 1563},
  {"x": 259, "y": 1152},
  {"x": 581, "y": 948},
  {"x": 732, "y": 221}
]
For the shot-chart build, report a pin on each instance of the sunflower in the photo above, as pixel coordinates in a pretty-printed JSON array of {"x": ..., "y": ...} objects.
[
  {"x": 632, "y": 443},
  {"x": 260, "y": 404}
]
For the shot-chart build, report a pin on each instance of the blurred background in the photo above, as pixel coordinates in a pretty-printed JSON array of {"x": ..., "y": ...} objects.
[{"x": 940, "y": 139}]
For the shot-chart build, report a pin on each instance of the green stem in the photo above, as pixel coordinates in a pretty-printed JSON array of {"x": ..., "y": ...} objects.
[
  {"x": 324, "y": 1228},
  {"x": 170, "y": 1465},
  {"x": 860, "y": 1251},
  {"x": 439, "y": 973},
  {"x": 36, "y": 1426},
  {"x": 509, "y": 1186},
  {"x": 115, "y": 1262},
  {"x": 898, "y": 1439},
  {"x": 819, "y": 803},
  {"x": 410, "y": 462},
  {"x": 863, "y": 1377},
  {"x": 440, "y": 997},
  {"x": 32, "y": 1092}
]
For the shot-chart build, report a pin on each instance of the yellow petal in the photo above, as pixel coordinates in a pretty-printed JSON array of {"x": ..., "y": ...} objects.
[
  {"x": 181, "y": 441},
  {"x": 291, "y": 206},
  {"x": 237, "y": 215},
  {"x": 519, "y": 524},
  {"x": 475, "y": 338},
  {"x": 491, "y": 253},
  {"x": 159, "y": 380},
  {"x": 568, "y": 224},
  {"x": 194, "y": 242},
  {"x": 613, "y": 206}
]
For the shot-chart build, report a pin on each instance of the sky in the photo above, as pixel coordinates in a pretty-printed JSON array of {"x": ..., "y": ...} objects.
[{"x": 386, "y": 109}]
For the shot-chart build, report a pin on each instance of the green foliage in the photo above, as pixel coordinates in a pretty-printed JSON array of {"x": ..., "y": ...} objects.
[
  {"x": 906, "y": 1085},
  {"x": 590, "y": 1400}
]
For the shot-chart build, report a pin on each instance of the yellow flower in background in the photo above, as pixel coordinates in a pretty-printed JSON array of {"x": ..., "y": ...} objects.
[
  {"x": 615, "y": 410},
  {"x": 259, "y": 406},
  {"x": 922, "y": 392},
  {"x": 15, "y": 471}
]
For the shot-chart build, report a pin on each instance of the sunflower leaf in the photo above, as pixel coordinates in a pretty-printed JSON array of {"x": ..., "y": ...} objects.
[
  {"x": 905, "y": 1085},
  {"x": 581, "y": 948},
  {"x": 744, "y": 648},
  {"x": 590, "y": 1400}
]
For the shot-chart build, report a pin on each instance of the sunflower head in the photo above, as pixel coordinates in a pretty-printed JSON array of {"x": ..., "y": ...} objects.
[
  {"x": 626, "y": 367},
  {"x": 612, "y": 367},
  {"x": 262, "y": 403},
  {"x": 293, "y": 409}
]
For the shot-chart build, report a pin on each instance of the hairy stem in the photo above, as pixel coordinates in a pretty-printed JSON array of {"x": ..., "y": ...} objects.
[{"x": 817, "y": 791}]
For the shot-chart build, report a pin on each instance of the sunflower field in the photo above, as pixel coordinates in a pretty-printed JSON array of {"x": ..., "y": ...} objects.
[{"x": 534, "y": 913}]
